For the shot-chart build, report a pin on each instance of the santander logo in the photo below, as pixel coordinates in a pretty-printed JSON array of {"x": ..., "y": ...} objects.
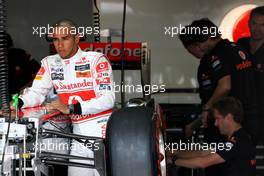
[
  {"x": 234, "y": 25},
  {"x": 72, "y": 86}
]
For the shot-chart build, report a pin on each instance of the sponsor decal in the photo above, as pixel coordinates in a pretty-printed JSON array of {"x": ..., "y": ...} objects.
[
  {"x": 82, "y": 67},
  {"x": 103, "y": 80},
  {"x": 57, "y": 76},
  {"x": 207, "y": 82},
  {"x": 103, "y": 127},
  {"x": 83, "y": 84},
  {"x": 100, "y": 75},
  {"x": 244, "y": 65},
  {"x": 85, "y": 74},
  {"x": 104, "y": 87},
  {"x": 38, "y": 77},
  {"x": 242, "y": 55},
  {"x": 103, "y": 120},
  {"x": 40, "y": 73},
  {"x": 215, "y": 63},
  {"x": 56, "y": 69},
  {"x": 133, "y": 50},
  {"x": 103, "y": 66}
]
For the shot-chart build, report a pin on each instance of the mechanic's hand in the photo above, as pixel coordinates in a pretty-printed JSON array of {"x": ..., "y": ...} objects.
[
  {"x": 204, "y": 118},
  {"x": 58, "y": 105},
  {"x": 188, "y": 130}
]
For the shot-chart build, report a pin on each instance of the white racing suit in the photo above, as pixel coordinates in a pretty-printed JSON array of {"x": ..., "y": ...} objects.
[{"x": 84, "y": 80}]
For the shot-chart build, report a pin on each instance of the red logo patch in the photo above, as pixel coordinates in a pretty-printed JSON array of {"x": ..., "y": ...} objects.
[
  {"x": 103, "y": 80},
  {"x": 41, "y": 71},
  {"x": 103, "y": 66}
]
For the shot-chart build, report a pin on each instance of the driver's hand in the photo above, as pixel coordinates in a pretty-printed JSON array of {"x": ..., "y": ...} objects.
[
  {"x": 12, "y": 108},
  {"x": 57, "y": 105},
  {"x": 12, "y": 115}
]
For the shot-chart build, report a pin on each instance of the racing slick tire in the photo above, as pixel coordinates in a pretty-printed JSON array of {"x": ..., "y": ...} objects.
[{"x": 134, "y": 143}]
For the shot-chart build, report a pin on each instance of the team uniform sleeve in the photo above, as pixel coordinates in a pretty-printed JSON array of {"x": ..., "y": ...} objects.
[
  {"x": 41, "y": 86},
  {"x": 229, "y": 153},
  {"x": 220, "y": 67},
  {"x": 103, "y": 87}
]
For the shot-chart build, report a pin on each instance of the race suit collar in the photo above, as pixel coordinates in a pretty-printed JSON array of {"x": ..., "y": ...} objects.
[{"x": 74, "y": 58}]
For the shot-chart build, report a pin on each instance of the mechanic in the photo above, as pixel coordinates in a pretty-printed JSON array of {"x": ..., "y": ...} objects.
[
  {"x": 221, "y": 72},
  {"x": 213, "y": 84},
  {"x": 225, "y": 69},
  {"x": 83, "y": 81},
  {"x": 238, "y": 152},
  {"x": 254, "y": 45}
]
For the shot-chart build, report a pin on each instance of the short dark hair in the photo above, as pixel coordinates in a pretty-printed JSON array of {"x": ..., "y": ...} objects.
[
  {"x": 186, "y": 39},
  {"x": 257, "y": 11},
  {"x": 189, "y": 38},
  {"x": 65, "y": 22},
  {"x": 230, "y": 105}
]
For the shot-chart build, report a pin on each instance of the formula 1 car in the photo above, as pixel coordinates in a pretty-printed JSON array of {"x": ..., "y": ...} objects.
[{"x": 134, "y": 143}]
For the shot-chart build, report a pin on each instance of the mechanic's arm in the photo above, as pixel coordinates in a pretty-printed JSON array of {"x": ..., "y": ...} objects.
[
  {"x": 192, "y": 154},
  {"x": 222, "y": 89},
  {"x": 103, "y": 88},
  {"x": 200, "y": 162},
  {"x": 36, "y": 94}
]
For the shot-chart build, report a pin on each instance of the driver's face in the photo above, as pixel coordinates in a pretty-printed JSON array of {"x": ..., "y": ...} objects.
[{"x": 66, "y": 44}]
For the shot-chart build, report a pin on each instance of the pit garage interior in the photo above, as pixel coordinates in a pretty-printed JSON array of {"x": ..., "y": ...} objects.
[{"x": 160, "y": 72}]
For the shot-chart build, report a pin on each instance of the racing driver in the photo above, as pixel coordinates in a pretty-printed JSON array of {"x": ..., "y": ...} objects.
[{"x": 83, "y": 81}]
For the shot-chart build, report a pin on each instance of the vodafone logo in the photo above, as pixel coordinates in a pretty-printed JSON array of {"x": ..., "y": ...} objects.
[
  {"x": 103, "y": 66},
  {"x": 234, "y": 25}
]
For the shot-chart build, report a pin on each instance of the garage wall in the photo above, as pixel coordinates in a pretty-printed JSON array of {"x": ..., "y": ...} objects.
[{"x": 171, "y": 64}]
